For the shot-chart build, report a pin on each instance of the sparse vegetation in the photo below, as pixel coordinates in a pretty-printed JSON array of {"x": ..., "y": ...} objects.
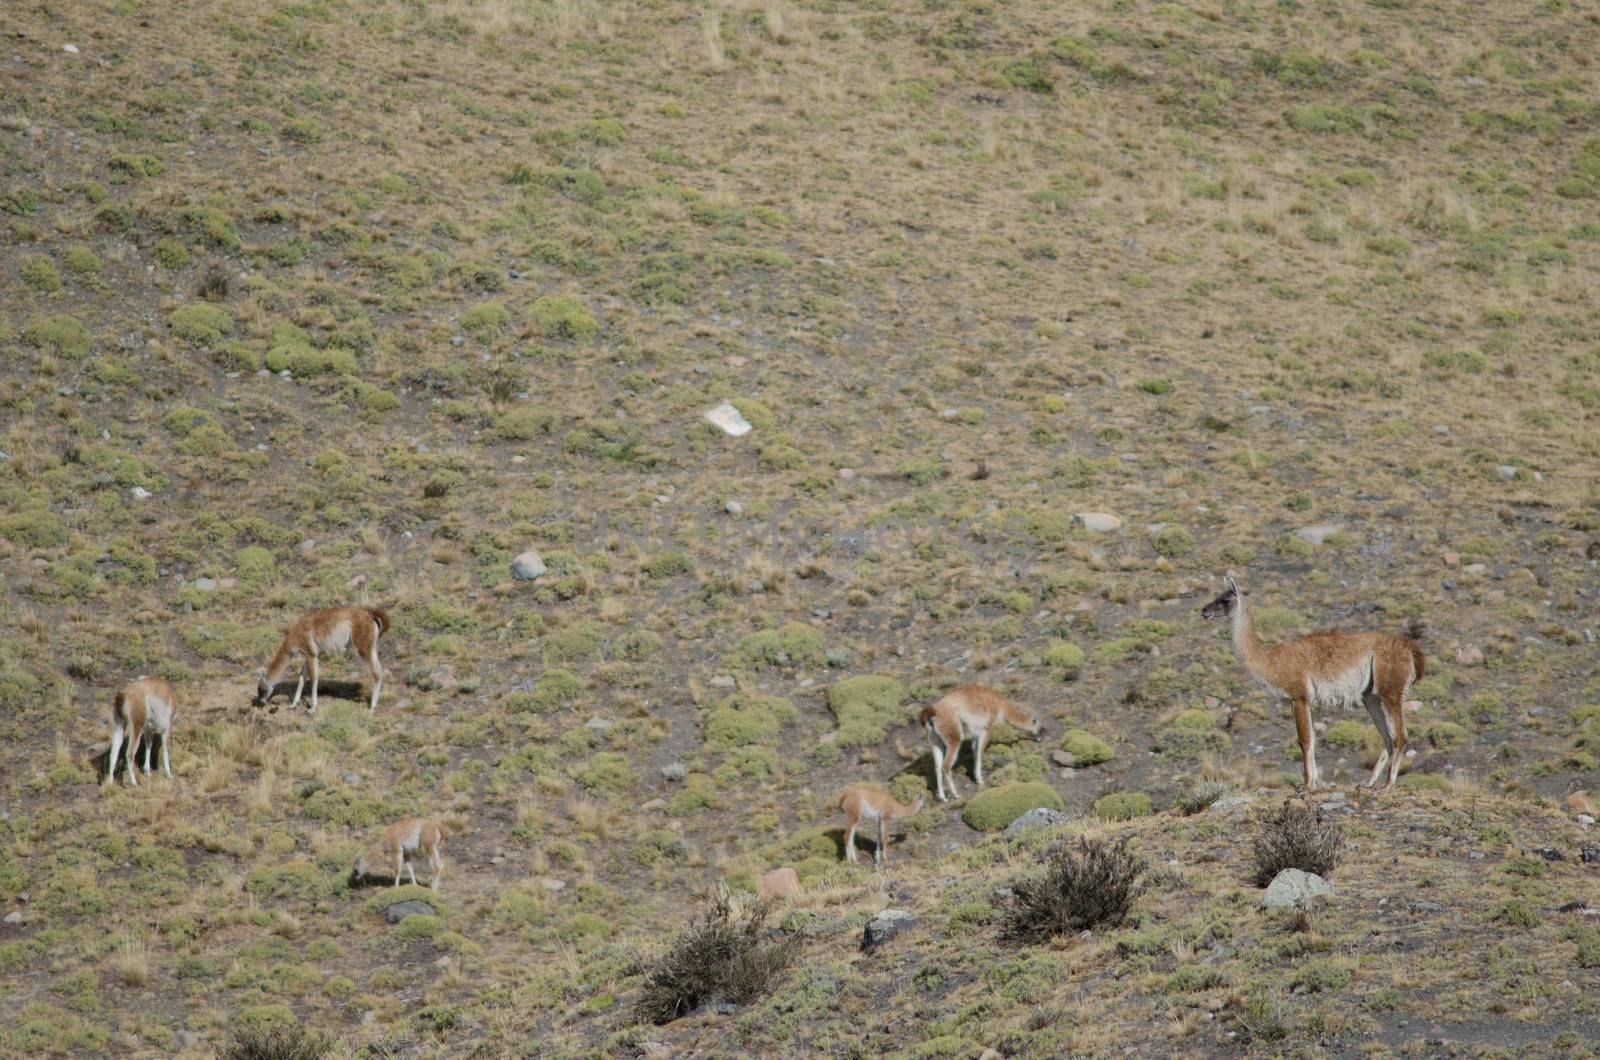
[
  {"x": 1296, "y": 837},
  {"x": 1082, "y": 884},
  {"x": 726, "y": 956}
]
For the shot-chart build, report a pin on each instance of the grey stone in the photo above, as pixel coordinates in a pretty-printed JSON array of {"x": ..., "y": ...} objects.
[
  {"x": 14, "y": 918},
  {"x": 527, "y": 567},
  {"x": 598, "y": 724},
  {"x": 1293, "y": 887},
  {"x": 885, "y": 926},
  {"x": 1426, "y": 907},
  {"x": 400, "y": 910},
  {"x": 1038, "y": 817},
  {"x": 1316, "y": 535},
  {"x": 729, "y": 419},
  {"x": 1589, "y": 854},
  {"x": 205, "y": 585},
  {"x": 733, "y": 508},
  {"x": 1506, "y": 472},
  {"x": 1229, "y": 803},
  {"x": 1099, "y": 522},
  {"x": 674, "y": 771}
]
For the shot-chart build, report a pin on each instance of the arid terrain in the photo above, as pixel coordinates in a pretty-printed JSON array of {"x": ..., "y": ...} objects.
[{"x": 1042, "y": 316}]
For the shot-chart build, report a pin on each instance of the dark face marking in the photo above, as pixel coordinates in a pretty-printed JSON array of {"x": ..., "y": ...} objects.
[{"x": 1221, "y": 607}]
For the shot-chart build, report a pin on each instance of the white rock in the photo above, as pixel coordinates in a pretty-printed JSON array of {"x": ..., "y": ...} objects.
[
  {"x": 733, "y": 508},
  {"x": 527, "y": 566},
  {"x": 1506, "y": 472},
  {"x": 1099, "y": 522},
  {"x": 1293, "y": 887},
  {"x": 549, "y": 883},
  {"x": 70, "y": 49},
  {"x": 730, "y": 419},
  {"x": 1316, "y": 535},
  {"x": 140, "y": 492}
]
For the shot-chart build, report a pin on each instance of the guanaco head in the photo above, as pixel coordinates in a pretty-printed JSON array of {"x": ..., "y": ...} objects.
[
  {"x": 1035, "y": 727},
  {"x": 916, "y": 805},
  {"x": 1222, "y": 606},
  {"x": 264, "y": 688}
]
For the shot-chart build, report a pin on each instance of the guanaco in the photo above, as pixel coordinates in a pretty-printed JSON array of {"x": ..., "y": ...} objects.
[
  {"x": 869, "y": 804},
  {"x": 331, "y": 631},
  {"x": 405, "y": 838},
  {"x": 1330, "y": 669},
  {"x": 141, "y": 711},
  {"x": 968, "y": 713}
]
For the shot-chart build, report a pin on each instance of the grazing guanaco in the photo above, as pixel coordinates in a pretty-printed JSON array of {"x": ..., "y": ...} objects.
[
  {"x": 869, "y": 804},
  {"x": 331, "y": 631},
  {"x": 141, "y": 711},
  {"x": 968, "y": 713},
  {"x": 405, "y": 838},
  {"x": 1330, "y": 669}
]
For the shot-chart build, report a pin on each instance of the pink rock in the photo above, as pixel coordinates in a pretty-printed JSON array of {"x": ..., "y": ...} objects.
[
  {"x": 1452, "y": 558},
  {"x": 780, "y": 883},
  {"x": 1471, "y": 655}
]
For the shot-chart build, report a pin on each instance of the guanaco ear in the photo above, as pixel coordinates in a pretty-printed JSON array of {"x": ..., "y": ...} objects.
[{"x": 1229, "y": 584}]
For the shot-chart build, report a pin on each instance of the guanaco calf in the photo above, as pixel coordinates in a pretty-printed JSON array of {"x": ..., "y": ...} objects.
[
  {"x": 141, "y": 711},
  {"x": 968, "y": 713},
  {"x": 1330, "y": 669},
  {"x": 405, "y": 838},
  {"x": 869, "y": 804},
  {"x": 331, "y": 631}
]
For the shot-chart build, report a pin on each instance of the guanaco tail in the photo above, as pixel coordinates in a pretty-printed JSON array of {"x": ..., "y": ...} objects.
[
  {"x": 1330, "y": 669},
  {"x": 141, "y": 711},
  {"x": 331, "y": 631},
  {"x": 869, "y": 805},
  {"x": 968, "y": 713}
]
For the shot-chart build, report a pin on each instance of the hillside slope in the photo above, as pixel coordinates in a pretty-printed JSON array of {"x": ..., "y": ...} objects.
[{"x": 356, "y": 300}]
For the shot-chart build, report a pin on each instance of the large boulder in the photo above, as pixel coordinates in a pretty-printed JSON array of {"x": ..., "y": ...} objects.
[
  {"x": 400, "y": 910},
  {"x": 780, "y": 883},
  {"x": 527, "y": 567},
  {"x": 1293, "y": 887},
  {"x": 1038, "y": 817},
  {"x": 885, "y": 926}
]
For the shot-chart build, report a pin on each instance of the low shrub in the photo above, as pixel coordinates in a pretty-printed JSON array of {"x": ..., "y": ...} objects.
[
  {"x": 721, "y": 957},
  {"x": 1086, "y": 883},
  {"x": 1296, "y": 837}
]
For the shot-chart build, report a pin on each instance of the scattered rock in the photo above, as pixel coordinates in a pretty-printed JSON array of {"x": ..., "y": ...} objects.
[
  {"x": 599, "y": 724},
  {"x": 733, "y": 508},
  {"x": 885, "y": 926},
  {"x": 527, "y": 567},
  {"x": 1039, "y": 817},
  {"x": 185, "y": 1039},
  {"x": 653, "y": 805},
  {"x": 205, "y": 585},
  {"x": 1062, "y": 758},
  {"x": 14, "y": 919},
  {"x": 1452, "y": 558},
  {"x": 551, "y": 884},
  {"x": 1229, "y": 803},
  {"x": 1293, "y": 887},
  {"x": 1099, "y": 522},
  {"x": 1425, "y": 907},
  {"x": 1316, "y": 535},
  {"x": 1589, "y": 853},
  {"x": 1506, "y": 472},
  {"x": 723, "y": 681},
  {"x": 674, "y": 771},
  {"x": 1577, "y": 907},
  {"x": 70, "y": 49},
  {"x": 140, "y": 492},
  {"x": 730, "y": 419},
  {"x": 780, "y": 883},
  {"x": 1549, "y": 853},
  {"x": 1471, "y": 655},
  {"x": 412, "y": 907},
  {"x": 443, "y": 963}
]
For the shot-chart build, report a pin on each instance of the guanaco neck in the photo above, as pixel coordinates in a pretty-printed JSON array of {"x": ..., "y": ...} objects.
[
  {"x": 280, "y": 661},
  {"x": 1246, "y": 645}
]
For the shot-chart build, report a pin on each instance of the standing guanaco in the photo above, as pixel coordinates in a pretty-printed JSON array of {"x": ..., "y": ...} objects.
[
  {"x": 968, "y": 713},
  {"x": 405, "y": 838},
  {"x": 869, "y": 804},
  {"x": 331, "y": 631},
  {"x": 141, "y": 711},
  {"x": 1330, "y": 669}
]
